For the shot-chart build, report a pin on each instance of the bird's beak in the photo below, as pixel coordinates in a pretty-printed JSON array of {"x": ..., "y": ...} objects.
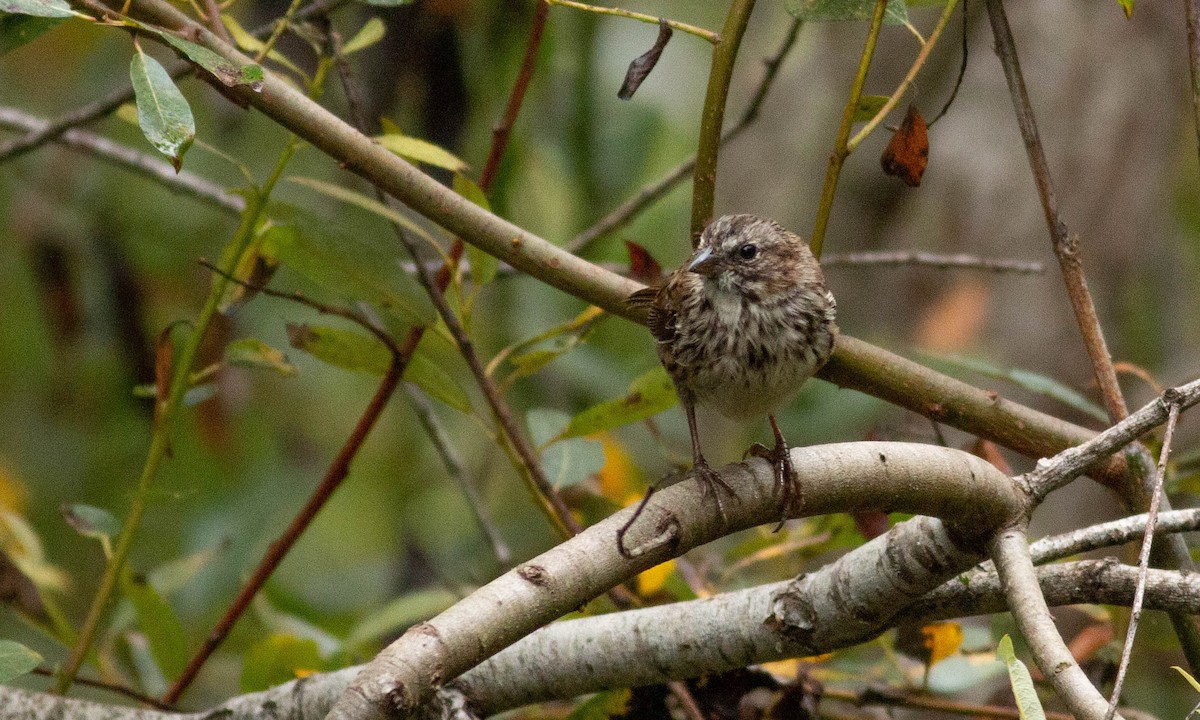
[{"x": 704, "y": 262}]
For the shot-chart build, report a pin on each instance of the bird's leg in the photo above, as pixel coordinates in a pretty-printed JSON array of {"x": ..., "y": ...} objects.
[
  {"x": 787, "y": 482},
  {"x": 709, "y": 478}
]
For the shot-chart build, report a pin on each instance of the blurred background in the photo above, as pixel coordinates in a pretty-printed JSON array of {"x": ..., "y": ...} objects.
[{"x": 95, "y": 261}]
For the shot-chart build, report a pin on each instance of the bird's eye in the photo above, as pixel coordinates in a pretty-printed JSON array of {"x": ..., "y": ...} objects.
[{"x": 748, "y": 251}]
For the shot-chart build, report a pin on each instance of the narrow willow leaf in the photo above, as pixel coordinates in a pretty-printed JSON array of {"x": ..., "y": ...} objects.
[
  {"x": 37, "y": 8},
  {"x": 1034, "y": 382},
  {"x": 431, "y": 377},
  {"x": 568, "y": 461},
  {"x": 418, "y": 150},
  {"x": 483, "y": 265},
  {"x": 386, "y": 3},
  {"x": 370, "y": 34},
  {"x": 1188, "y": 676},
  {"x": 227, "y": 72},
  {"x": 162, "y": 627},
  {"x": 163, "y": 113},
  {"x": 836, "y": 10},
  {"x": 16, "y": 30},
  {"x": 602, "y": 706},
  {"x": 16, "y": 660},
  {"x": 279, "y": 659},
  {"x": 398, "y": 615},
  {"x": 868, "y": 107},
  {"x": 249, "y": 43},
  {"x": 1028, "y": 704},
  {"x": 1127, "y": 6},
  {"x": 350, "y": 265},
  {"x": 370, "y": 204},
  {"x": 254, "y": 353},
  {"x": 648, "y": 395},
  {"x": 173, "y": 575}
]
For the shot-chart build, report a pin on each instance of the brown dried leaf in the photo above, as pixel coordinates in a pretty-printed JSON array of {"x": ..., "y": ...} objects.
[
  {"x": 954, "y": 321},
  {"x": 641, "y": 66},
  {"x": 908, "y": 153},
  {"x": 989, "y": 451}
]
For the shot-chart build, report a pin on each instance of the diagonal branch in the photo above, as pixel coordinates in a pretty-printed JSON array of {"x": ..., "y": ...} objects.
[{"x": 1066, "y": 244}]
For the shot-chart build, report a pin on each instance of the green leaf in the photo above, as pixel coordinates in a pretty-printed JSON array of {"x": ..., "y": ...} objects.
[
  {"x": 346, "y": 349},
  {"x": 161, "y": 625},
  {"x": 370, "y": 34},
  {"x": 430, "y": 376},
  {"x": 398, "y": 615},
  {"x": 37, "y": 8},
  {"x": 602, "y": 706},
  {"x": 254, "y": 353},
  {"x": 201, "y": 393},
  {"x": 227, "y": 72},
  {"x": 92, "y": 522},
  {"x": 648, "y": 395},
  {"x": 350, "y": 265},
  {"x": 1028, "y": 704},
  {"x": 1127, "y": 6},
  {"x": 1188, "y": 676},
  {"x": 868, "y": 107},
  {"x": 369, "y": 204},
  {"x": 16, "y": 660},
  {"x": 173, "y": 575},
  {"x": 351, "y": 350},
  {"x": 163, "y": 113},
  {"x": 386, "y": 3},
  {"x": 836, "y": 10},
  {"x": 249, "y": 43},
  {"x": 1029, "y": 380},
  {"x": 278, "y": 659},
  {"x": 16, "y": 30},
  {"x": 565, "y": 462},
  {"x": 483, "y": 265},
  {"x": 418, "y": 150}
]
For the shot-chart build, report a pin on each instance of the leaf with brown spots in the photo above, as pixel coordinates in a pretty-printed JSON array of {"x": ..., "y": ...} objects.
[{"x": 908, "y": 153}]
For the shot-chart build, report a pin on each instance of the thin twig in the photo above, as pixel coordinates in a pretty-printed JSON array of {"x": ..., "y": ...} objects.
[
  {"x": 112, "y": 687},
  {"x": 435, "y": 285},
  {"x": 704, "y": 177},
  {"x": 649, "y": 194},
  {"x": 144, "y": 164},
  {"x": 699, "y": 32},
  {"x": 906, "y": 83},
  {"x": 454, "y": 467},
  {"x": 1115, "y": 532},
  {"x": 213, "y": 11},
  {"x": 908, "y": 699},
  {"x": 925, "y": 259},
  {"x": 1065, "y": 243},
  {"x": 1054, "y": 472},
  {"x": 108, "y": 104},
  {"x": 337, "y": 472},
  {"x": 1139, "y": 594},
  {"x": 962, "y": 70},
  {"x": 840, "y": 151},
  {"x": 1192, "y": 12}
]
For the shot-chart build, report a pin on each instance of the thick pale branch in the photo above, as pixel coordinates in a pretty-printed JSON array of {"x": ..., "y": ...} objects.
[
  {"x": 882, "y": 476},
  {"x": 1010, "y": 551}
]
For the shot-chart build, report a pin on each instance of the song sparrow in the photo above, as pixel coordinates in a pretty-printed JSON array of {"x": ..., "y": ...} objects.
[{"x": 740, "y": 327}]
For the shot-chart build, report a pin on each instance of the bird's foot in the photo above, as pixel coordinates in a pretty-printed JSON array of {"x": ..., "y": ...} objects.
[
  {"x": 712, "y": 484},
  {"x": 787, "y": 480}
]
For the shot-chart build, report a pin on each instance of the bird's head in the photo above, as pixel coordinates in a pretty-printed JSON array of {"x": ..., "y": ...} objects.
[{"x": 753, "y": 256}]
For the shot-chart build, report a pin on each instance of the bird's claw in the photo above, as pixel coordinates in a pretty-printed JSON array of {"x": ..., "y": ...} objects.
[
  {"x": 712, "y": 485},
  {"x": 787, "y": 481}
]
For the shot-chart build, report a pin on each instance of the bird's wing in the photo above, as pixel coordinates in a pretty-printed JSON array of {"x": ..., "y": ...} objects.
[{"x": 660, "y": 316}]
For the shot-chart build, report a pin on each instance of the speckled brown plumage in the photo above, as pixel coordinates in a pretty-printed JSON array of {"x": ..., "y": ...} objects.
[{"x": 740, "y": 327}]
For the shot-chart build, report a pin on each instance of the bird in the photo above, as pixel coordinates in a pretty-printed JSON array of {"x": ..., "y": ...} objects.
[{"x": 740, "y": 327}]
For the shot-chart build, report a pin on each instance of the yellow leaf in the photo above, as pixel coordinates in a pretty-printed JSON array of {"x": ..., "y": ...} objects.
[
  {"x": 417, "y": 150},
  {"x": 12, "y": 491},
  {"x": 942, "y": 640},
  {"x": 652, "y": 580},
  {"x": 619, "y": 477}
]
